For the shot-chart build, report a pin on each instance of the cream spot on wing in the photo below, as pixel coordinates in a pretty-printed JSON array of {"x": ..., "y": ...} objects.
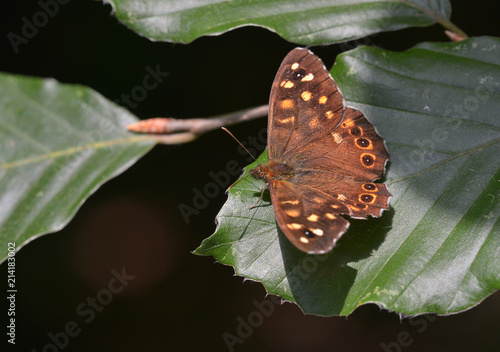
[
  {"x": 313, "y": 123},
  {"x": 287, "y": 104},
  {"x": 296, "y": 201},
  {"x": 292, "y": 212},
  {"x": 304, "y": 240},
  {"x": 341, "y": 197},
  {"x": 294, "y": 226},
  {"x": 352, "y": 207},
  {"x": 347, "y": 123},
  {"x": 306, "y": 95},
  {"x": 317, "y": 232},
  {"x": 295, "y": 66},
  {"x": 335, "y": 206},
  {"x": 337, "y": 137},
  {"x": 313, "y": 217},
  {"x": 323, "y": 99},
  {"x": 318, "y": 200},
  {"x": 329, "y": 114},
  {"x": 287, "y": 120},
  {"x": 330, "y": 216},
  {"x": 307, "y": 78},
  {"x": 286, "y": 84}
]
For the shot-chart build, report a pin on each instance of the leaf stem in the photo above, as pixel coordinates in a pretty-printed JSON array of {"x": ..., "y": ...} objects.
[
  {"x": 446, "y": 23},
  {"x": 452, "y": 28}
]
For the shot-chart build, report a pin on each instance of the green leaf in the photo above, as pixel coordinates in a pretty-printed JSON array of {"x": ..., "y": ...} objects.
[
  {"x": 304, "y": 22},
  {"x": 438, "y": 248},
  {"x": 58, "y": 144}
]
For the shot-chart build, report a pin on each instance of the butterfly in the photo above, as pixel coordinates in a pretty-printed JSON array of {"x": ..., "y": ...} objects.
[{"x": 323, "y": 157}]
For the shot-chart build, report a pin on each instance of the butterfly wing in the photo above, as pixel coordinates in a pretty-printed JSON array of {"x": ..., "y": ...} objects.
[
  {"x": 334, "y": 151},
  {"x": 354, "y": 157},
  {"x": 303, "y": 218},
  {"x": 293, "y": 109}
]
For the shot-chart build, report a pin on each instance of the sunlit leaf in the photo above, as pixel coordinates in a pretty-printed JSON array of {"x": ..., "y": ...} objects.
[
  {"x": 58, "y": 144},
  {"x": 299, "y": 21},
  {"x": 438, "y": 248}
]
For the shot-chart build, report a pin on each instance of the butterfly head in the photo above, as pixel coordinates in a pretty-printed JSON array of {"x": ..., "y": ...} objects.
[{"x": 261, "y": 172}]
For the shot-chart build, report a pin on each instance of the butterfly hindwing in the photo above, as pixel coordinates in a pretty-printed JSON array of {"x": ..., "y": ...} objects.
[
  {"x": 312, "y": 226},
  {"x": 356, "y": 145}
]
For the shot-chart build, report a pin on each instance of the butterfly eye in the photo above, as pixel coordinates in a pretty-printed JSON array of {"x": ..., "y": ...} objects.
[
  {"x": 299, "y": 74},
  {"x": 367, "y": 160},
  {"x": 367, "y": 198},
  {"x": 355, "y": 131},
  {"x": 309, "y": 234},
  {"x": 363, "y": 143},
  {"x": 370, "y": 187}
]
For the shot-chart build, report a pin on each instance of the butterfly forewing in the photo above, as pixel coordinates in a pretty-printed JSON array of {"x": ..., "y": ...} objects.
[
  {"x": 323, "y": 156},
  {"x": 303, "y": 95}
]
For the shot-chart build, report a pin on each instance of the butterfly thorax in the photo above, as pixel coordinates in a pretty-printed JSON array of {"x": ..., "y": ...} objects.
[{"x": 273, "y": 170}]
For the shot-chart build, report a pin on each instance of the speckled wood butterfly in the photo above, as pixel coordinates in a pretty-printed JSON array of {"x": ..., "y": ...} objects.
[{"x": 323, "y": 156}]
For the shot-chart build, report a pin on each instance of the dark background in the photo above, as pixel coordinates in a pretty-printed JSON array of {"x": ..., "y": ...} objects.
[{"x": 179, "y": 301}]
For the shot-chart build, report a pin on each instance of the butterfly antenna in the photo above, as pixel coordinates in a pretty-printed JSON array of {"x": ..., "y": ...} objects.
[{"x": 236, "y": 139}]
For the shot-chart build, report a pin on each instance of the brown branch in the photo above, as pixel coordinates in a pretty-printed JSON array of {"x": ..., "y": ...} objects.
[{"x": 168, "y": 130}]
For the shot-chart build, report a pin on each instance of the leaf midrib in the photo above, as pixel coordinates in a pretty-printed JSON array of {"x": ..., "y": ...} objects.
[{"x": 73, "y": 150}]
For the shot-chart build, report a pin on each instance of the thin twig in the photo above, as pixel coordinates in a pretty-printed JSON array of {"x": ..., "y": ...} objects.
[{"x": 168, "y": 130}]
